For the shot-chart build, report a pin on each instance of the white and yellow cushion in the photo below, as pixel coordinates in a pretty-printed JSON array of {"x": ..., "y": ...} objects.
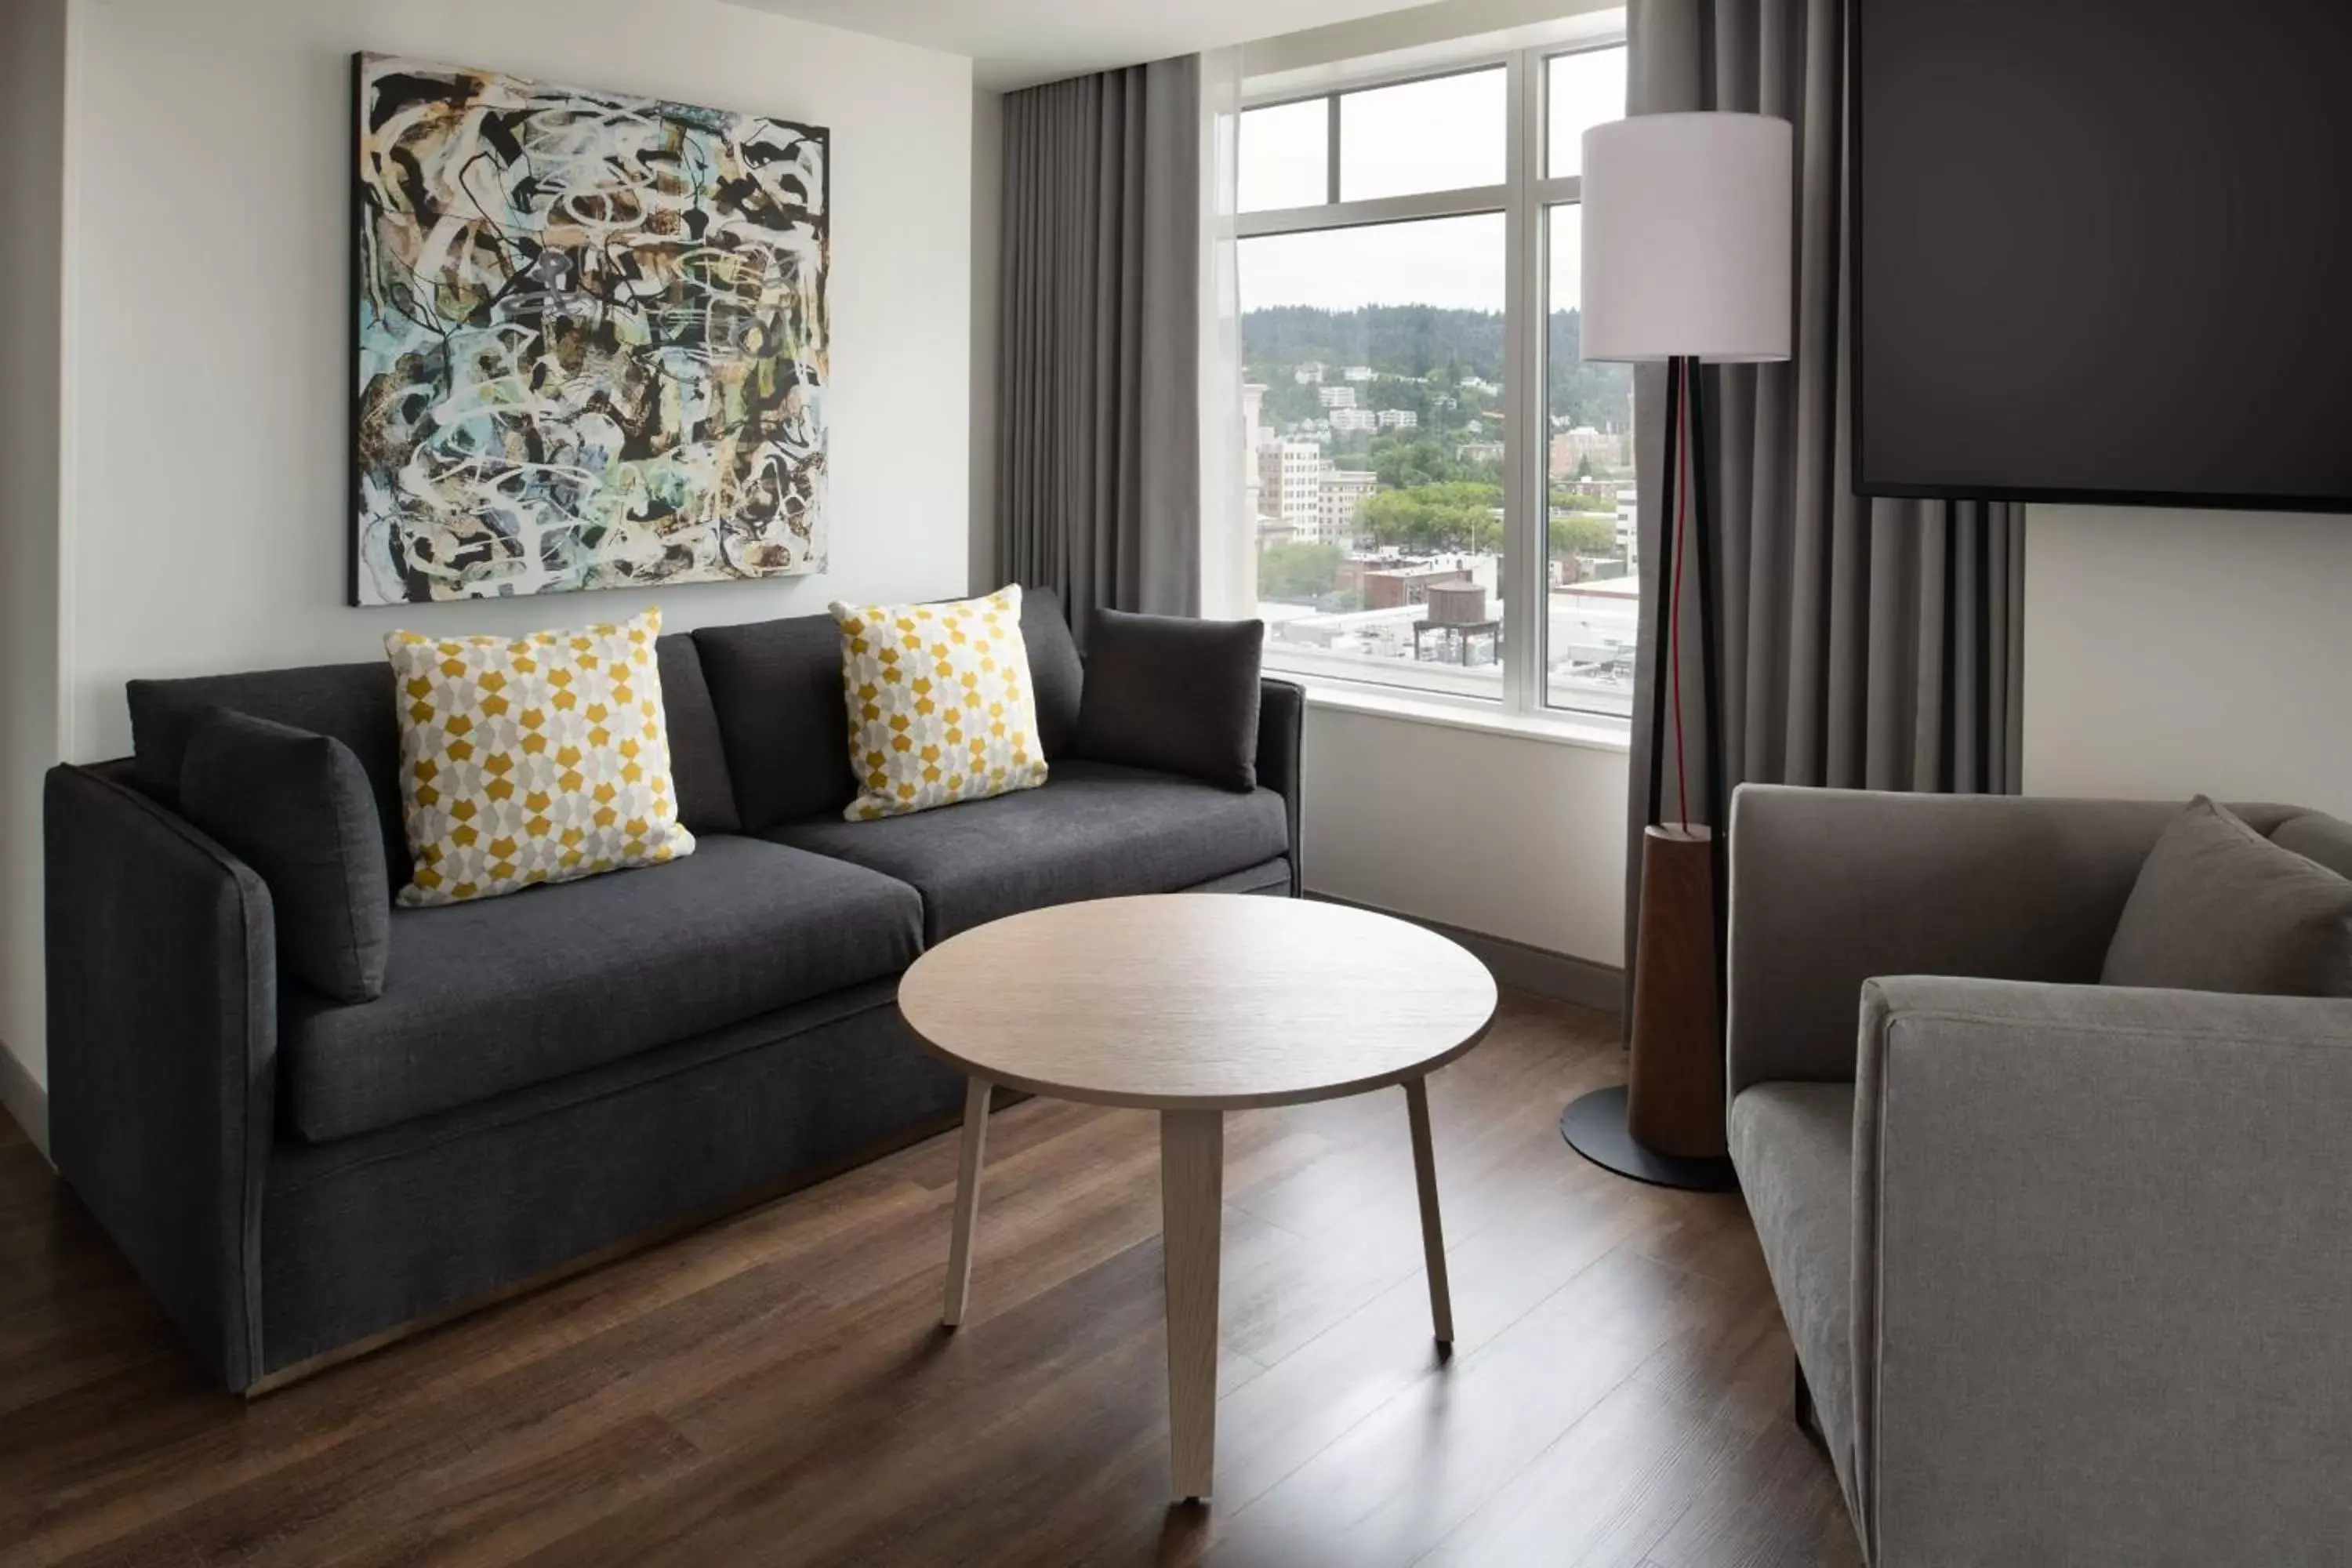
[
  {"x": 533, "y": 759},
  {"x": 939, "y": 707}
]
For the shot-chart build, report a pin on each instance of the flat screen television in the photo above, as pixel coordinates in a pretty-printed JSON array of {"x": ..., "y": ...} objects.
[{"x": 2102, "y": 251}]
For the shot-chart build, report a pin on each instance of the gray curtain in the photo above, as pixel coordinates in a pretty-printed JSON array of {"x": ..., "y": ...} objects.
[
  {"x": 1864, "y": 644},
  {"x": 1098, "y": 476}
]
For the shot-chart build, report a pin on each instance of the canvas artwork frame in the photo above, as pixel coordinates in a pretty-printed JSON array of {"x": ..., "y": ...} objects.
[{"x": 591, "y": 345}]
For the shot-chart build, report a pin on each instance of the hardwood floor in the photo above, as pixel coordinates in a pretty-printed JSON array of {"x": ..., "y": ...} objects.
[{"x": 776, "y": 1389}]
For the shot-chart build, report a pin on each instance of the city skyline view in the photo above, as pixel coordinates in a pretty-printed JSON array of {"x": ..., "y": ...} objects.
[{"x": 1376, "y": 412}]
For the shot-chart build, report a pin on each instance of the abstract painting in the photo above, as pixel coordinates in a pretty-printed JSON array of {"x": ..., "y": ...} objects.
[{"x": 592, "y": 339}]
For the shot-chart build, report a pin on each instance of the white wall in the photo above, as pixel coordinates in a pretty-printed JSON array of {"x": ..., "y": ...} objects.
[
  {"x": 2172, "y": 652},
  {"x": 32, "y": 185},
  {"x": 205, "y": 377},
  {"x": 1421, "y": 26},
  {"x": 210, "y": 311},
  {"x": 1495, "y": 833}
]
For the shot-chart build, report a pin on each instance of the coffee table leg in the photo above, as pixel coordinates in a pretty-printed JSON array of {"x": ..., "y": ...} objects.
[
  {"x": 1433, "y": 1232},
  {"x": 967, "y": 1207},
  {"x": 1191, "y": 1198}
]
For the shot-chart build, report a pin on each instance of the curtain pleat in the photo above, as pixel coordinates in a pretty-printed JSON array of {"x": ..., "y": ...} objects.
[
  {"x": 1098, "y": 433},
  {"x": 1861, "y": 644}
]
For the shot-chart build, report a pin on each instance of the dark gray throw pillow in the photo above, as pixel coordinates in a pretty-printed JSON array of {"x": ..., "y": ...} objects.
[
  {"x": 296, "y": 808},
  {"x": 1173, "y": 694},
  {"x": 2218, "y": 907}
]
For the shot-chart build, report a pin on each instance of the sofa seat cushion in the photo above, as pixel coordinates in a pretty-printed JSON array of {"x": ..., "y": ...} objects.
[
  {"x": 484, "y": 997},
  {"x": 1793, "y": 1145},
  {"x": 1094, "y": 830}
]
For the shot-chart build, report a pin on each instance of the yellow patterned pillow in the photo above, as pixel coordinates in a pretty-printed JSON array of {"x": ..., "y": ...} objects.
[
  {"x": 533, "y": 759},
  {"x": 940, "y": 709}
]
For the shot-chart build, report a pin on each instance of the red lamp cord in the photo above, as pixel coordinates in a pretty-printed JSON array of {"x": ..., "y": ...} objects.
[{"x": 1675, "y": 609}]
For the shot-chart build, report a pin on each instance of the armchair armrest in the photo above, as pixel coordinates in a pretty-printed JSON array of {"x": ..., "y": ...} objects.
[
  {"x": 163, "y": 998},
  {"x": 2103, "y": 1257},
  {"x": 1281, "y": 728},
  {"x": 1831, "y": 887}
]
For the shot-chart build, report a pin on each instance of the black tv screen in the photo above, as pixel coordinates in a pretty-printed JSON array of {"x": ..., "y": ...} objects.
[{"x": 2100, "y": 250}]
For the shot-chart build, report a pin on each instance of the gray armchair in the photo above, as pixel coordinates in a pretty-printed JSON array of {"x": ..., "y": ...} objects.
[{"x": 2068, "y": 1269}]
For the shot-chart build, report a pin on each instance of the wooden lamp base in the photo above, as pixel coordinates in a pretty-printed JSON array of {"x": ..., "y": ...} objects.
[{"x": 1665, "y": 1126}]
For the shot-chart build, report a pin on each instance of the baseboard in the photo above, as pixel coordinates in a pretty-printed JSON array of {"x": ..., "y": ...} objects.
[
  {"x": 1562, "y": 976},
  {"x": 25, "y": 1099}
]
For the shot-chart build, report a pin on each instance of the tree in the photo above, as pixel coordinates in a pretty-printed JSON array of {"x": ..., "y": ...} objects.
[
  {"x": 1582, "y": 534},
  {"x": 1434, "y": 517},
  {"x": 1585, "y": 392},
  {"x": 1297, "y": 571},
  {"x": 1397, "y": 339},
  {"x": 1405, "y": 465}
]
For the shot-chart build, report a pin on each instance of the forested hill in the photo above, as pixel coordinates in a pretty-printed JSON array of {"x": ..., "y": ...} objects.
[
  {"x": 1411, "y": 342},
  {"x": 1395, "y": 339}
]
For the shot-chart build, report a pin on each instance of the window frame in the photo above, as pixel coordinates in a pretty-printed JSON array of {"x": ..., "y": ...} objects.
[{"x": 1525, "y": 198}]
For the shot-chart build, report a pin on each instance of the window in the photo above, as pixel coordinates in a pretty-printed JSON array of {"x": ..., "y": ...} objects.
[
  {"x": 1443, "y": 491},
  {"x": 1590, "y": 585}
]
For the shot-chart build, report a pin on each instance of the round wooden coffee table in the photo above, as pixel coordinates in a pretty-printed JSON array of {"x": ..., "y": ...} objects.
[{"x": 1193, "y": 1005}]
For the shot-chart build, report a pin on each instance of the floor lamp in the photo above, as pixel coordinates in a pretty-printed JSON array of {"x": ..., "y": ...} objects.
[{"x": 1686, "y": 256}]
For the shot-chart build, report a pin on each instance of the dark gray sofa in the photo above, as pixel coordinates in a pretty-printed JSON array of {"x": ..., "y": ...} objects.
[{"x": 561, "y": 1071}]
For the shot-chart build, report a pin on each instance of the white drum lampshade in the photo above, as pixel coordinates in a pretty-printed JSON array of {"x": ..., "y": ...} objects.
[{"x": 1686, "y": 237}]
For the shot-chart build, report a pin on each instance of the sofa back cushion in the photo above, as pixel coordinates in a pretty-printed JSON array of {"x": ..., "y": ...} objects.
[
  {"x": 354, "y": 703},
  {"x": 1056, "y": 678},
  {"x": 348, "y": 702},
  {"x": 776, "y": 689},
  {"x": 698, "y": 758},
  {"x": 2315, "y": 836}
]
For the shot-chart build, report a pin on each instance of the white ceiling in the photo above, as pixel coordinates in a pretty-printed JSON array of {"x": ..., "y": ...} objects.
[{"x": 1016, "y": 43}]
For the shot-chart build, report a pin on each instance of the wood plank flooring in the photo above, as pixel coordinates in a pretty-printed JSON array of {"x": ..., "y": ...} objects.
[{"x": 776, "y": 1389}]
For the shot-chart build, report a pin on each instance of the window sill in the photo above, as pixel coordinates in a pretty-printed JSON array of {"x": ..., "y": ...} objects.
[{"x": 1594, "y": 732}]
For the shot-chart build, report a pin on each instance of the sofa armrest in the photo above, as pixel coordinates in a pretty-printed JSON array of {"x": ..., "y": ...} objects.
[
  {"x": 163, "y": 1029},
  {"x": 1281, "y": 731},
  {"x": 2103, "y": 1253},
  {"x": 1831, "y": 887}
]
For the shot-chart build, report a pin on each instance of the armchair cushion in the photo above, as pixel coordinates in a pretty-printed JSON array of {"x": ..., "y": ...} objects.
[
  {"x": 2218, "y": 907},
  {"x": 1793, "y": 1145},
  {"x": 297, "y": 808}
]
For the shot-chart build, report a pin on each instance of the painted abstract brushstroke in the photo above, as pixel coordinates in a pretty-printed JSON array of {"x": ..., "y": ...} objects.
[{"x": 592, "y": 339}]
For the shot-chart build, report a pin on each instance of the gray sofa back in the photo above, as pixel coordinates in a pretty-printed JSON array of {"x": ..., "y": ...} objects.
[
  {"x": 758, "y": 732},
  {"x": 775, "y": 687},
  {"x": 1831, "y": 888},
  {"x": 354, "y": 703}
]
